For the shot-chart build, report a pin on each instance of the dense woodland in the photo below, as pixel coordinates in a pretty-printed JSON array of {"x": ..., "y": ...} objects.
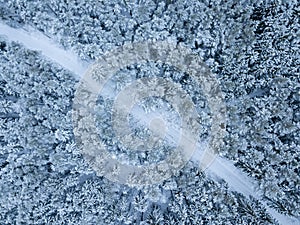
[{"x": 251, "y": 46}]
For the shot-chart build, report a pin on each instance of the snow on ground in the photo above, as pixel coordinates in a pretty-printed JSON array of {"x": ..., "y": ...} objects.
[
  {"x": 218, "y": 168},
  {"x": 37, "y": 41},
  {"x": 240, "y": 182}
]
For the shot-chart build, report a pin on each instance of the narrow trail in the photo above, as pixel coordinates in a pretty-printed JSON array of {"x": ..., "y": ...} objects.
[
  {"x": 35, "y": 40},
  {"x": 240, "y": 182},
  {"x": 219, "y": 168}
]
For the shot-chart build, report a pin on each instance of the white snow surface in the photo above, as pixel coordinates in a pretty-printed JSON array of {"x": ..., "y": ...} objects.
[
  {"x": 240, "y": 182},
  {"x": 35, "y": 40},
  {"x": 218, "y": 168}
]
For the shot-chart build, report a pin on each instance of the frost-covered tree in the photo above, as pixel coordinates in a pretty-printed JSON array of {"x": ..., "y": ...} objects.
[{"x": 251, "y": 46}]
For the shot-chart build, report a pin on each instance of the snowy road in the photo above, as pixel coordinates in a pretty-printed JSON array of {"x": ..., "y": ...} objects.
[
  {"x": 240, "y": 182},
  {"x": 34, "y": 40},
  {"x": 219, "y": 168}
]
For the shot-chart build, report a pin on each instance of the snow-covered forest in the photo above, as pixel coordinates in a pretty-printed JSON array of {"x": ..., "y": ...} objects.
[{"x": 252, "y": 48}]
